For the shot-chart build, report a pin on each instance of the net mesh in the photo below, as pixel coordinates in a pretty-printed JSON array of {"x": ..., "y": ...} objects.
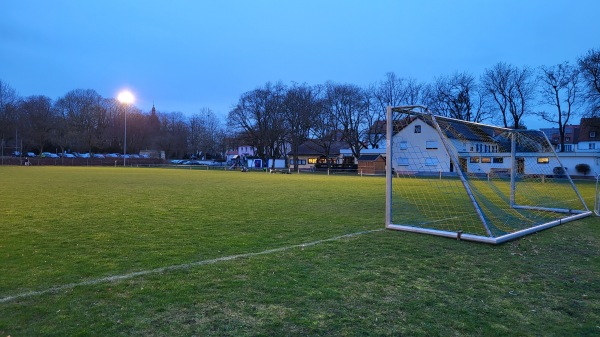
[{"x": 455, "y": 176}]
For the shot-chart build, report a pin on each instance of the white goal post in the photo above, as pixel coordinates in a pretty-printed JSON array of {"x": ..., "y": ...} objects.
[
  {"x": 473, "y": 181},
  {"x": 597, "y": 197}
]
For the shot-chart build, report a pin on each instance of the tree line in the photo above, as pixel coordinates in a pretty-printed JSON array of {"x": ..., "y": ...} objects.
[
  {"x": 84, "y": 121},
  {"x": 276, "y": 118}
]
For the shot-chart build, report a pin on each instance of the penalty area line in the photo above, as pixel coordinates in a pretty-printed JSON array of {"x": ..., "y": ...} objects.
[{"x": 183, "y": 266}]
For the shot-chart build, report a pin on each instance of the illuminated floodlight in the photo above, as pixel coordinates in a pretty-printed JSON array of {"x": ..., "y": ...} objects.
[{"x": 126, "y": 97}]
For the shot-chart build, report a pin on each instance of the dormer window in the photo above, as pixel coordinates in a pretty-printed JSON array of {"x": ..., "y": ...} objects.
[
  {"x": 592, "y": 134},
  {"x": 567, "y": 139},
  {"x": 417, "y": 129}
]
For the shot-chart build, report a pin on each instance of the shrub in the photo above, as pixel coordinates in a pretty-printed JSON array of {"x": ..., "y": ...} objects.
[
  {"x": 583, "y": 168},
  {"x": 558, "y": 171}
]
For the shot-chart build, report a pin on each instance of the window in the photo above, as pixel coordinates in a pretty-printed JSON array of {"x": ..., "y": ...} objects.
[
  {"x": 498, "y": 160},
  {"x": 403, "y": 145},
  {"x": 474, "y": 160},
  {"x": 431, "y": 145},
  {"x": 592, "y": 134},
  {"x": 568, "y": 147},
  {"x": 486, "y": 160},
  {"x": 300, "y": 162},
  {"x": 431, "y": 161},
  {"x": 567, "y": 139},
  {"x": 592, "y": 146},
  {"x": 417, "y": 129},
  {"x": 402, "y": 161},
  {"x": 312, "y": 160},
  {"x": 543, "y": 160}
]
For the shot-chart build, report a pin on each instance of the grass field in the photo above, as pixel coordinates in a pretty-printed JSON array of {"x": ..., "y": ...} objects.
[{"x": 155, "y": 252}]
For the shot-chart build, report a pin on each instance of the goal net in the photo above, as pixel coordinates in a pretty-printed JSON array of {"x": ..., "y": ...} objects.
[{"x": 473, "y": 181}]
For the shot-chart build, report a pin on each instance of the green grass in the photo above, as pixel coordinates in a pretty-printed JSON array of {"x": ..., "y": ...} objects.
[{"x": 63, "y": 226}]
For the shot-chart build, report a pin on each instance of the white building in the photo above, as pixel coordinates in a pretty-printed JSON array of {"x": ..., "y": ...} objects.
[{"x": 482, "y": 149}]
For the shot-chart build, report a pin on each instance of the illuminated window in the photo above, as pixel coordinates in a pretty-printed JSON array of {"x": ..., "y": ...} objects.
[
  {"x": 543, "y": 160},
  {"x": 474, "y": 160},
  {"x": 312, "y": 160},
  {"x": 486, "y": 160}
]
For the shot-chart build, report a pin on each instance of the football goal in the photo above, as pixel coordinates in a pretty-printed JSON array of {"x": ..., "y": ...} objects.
[{"x": 473, "y": 181}]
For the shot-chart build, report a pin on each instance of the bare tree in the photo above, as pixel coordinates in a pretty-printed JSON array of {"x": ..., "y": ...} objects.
[
  {"x": 325, "y": 131},
  {"x": 173, "y": 134},
  {"x": 259, "y": 114},
  {"x": 8, "y": 113},
  {"x": 348, "y": 104},
  {"x": 86, "y": 116},
  {"x": 38, "y": 120},
  {"x": 205, "y": 134},
  {"x": 393, "y": 91},
  {"x": 457, "y": 96},
  {"x": 589, "y": 66},
  {"x": 559, "y": 88},
  {"x": 511, "y": 91},
  {"x": 302, "y": 105}
]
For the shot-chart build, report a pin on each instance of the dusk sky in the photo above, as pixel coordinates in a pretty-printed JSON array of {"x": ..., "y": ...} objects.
[{"x": 186, "y": 55}]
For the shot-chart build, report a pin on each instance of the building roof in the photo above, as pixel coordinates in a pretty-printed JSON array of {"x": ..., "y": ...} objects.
[
  {"x": 369, "y": 157},
  {"x": 590, "y": 127},
  {"x": 457, "y": 129},
  {"x": 313, "y": 147}
]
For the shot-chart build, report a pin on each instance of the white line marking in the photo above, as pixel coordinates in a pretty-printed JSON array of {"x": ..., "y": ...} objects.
[{"x": 176, "y": 267}]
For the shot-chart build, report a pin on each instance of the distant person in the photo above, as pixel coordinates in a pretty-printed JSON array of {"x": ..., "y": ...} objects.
[{"x": 26, "y": 161}]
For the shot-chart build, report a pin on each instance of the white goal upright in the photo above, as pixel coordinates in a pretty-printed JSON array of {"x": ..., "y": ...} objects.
[{"x": 472, "y": 181}]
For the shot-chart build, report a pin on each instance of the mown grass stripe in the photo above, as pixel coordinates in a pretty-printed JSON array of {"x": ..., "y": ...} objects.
[{"x": 160, "y": 270}]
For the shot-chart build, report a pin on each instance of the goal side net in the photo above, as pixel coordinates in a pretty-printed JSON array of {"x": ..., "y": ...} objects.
[{"x": 473, "y": 181}]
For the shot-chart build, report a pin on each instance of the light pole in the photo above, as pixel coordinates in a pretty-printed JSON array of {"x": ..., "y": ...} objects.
[{"x": 126, "y": 98}]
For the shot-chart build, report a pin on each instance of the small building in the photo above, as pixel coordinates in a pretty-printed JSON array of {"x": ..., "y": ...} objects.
[
  {"x": 155, "y": 154},
  {"x": 372, "y": 164},
  {"x": 313, "y": 154}
]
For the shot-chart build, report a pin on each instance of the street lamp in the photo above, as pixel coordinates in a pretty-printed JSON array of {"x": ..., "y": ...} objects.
[{"x": 126, "y": 98}]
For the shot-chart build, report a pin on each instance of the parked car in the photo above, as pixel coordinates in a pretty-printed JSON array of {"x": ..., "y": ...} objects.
[
  {"x": 68, "y": 155},
  {"x": 98, "y": 155},
  {"x": 30, "y": 154},
  {"x": 49, "y": 155}
]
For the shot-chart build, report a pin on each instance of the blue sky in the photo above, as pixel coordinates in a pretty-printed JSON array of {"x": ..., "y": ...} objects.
[{"x": 186, "y": 55}]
